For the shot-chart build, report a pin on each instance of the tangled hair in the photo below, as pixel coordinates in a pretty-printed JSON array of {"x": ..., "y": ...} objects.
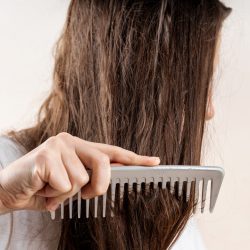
[{"x": 135, "y": 74}]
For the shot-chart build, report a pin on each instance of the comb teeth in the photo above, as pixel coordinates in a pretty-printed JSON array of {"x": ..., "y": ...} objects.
[{"x": 172, "y": 176}]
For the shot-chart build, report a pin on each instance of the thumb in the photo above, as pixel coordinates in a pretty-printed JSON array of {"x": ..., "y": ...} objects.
[
  {"x": 50, "y": 173},
  {"x": 37, "y": 182}
]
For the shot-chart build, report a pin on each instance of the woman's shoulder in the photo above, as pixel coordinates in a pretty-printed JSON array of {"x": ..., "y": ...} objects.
[{"x": 9, "y": 150}]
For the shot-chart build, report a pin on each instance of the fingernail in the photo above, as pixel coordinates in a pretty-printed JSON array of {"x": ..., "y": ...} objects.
[{"x": 155, "y": 158}]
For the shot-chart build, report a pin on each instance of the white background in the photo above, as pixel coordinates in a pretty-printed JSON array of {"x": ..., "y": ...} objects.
[{"x": 29, "y": 30}]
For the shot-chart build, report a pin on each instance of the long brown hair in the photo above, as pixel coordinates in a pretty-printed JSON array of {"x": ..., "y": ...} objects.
[{"x": 135, "y": 74}]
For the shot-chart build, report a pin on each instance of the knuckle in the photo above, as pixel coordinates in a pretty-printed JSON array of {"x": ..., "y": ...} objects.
[
  {"x": 42, "y": 155},
  {"x": 133, "y": 157},
  {"x": 117, "y": 149},
  {"x": 68, "y": 188},
  {"x": 103, "y": 160},
  {"x": 64, "y": 136},
  {"x": 51, "y": 142},
  {"x": 83, "y": 180}
]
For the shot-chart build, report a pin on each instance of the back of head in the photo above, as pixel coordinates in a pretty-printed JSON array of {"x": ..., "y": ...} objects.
[{"x": 135, "y": 74}]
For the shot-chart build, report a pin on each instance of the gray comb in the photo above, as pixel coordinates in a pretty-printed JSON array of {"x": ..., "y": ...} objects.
[{"x": 157, "y": 174}]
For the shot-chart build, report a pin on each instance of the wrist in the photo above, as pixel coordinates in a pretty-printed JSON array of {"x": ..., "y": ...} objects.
[{"x": 3, "y": 209}]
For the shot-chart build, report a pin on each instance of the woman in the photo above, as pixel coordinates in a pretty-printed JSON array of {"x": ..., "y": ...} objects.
[{"x": 131, "y": 78}]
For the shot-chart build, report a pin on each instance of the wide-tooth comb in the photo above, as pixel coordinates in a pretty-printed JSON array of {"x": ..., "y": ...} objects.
[{"x": 161, "y": 173}]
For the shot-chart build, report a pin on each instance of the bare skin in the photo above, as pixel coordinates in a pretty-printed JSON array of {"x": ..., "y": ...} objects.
[
  {"x": 210, "y": 112},
  {"x": 210, "y": 107},
  {"x": 56, "y": 170}
]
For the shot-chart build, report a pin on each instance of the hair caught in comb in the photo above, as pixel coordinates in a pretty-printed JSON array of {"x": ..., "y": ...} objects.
[{"x": 135, "y": 74}]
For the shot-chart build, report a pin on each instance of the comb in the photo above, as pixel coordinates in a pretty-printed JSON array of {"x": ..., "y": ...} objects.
[{"x": 173, "y": 175}]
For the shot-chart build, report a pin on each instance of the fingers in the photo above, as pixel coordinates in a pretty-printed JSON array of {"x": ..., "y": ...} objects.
[
  {"x": 116, "y": 164},
  {"x": 121, "y": 155},
  {"x": 100, "y": 179},
  {"x": 57, "y": 170},
  {"x": 50, "y": 169},
  {"x": 78, "y": 177},
  {"x": 65, "y": 172},
  {"x": 99, "y": 163}
]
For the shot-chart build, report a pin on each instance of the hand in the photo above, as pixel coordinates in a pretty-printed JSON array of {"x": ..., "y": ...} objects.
[{"x": 56, "y": 170}]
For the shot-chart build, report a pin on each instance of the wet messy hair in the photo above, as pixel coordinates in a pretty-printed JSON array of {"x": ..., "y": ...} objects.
[{"x": 135, "y": 74}]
